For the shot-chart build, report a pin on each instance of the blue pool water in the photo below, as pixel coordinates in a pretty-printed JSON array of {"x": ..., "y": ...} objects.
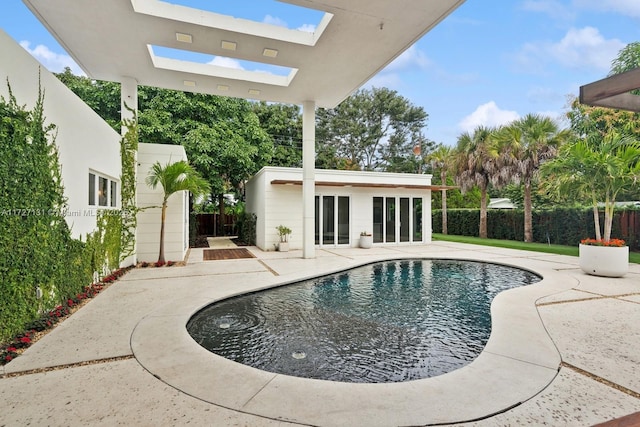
[{"x": 390, "y": 321}]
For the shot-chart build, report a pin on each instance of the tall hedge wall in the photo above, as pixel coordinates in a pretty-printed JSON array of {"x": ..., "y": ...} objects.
[{"x": 562, "y": 226}]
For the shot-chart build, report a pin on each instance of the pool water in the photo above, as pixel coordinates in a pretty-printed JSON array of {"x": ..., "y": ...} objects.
[{"x": 390, "y": 321}]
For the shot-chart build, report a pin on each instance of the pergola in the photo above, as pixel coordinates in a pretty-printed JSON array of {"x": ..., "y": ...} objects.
[
  {"x": 613, "y": 92},
  {"x": 114, "y": 40}
]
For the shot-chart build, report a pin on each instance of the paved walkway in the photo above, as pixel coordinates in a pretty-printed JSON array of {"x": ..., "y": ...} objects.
[{"x": 89, "y": 369}]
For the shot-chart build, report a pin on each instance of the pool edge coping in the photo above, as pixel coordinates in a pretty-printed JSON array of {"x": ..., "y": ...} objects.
[{"x": 510, "y": 370}]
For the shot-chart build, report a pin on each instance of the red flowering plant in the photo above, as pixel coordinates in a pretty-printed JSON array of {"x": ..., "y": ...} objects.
[
  {"x": 13, "y": 349},
  {"x": 617, "y": 243}
]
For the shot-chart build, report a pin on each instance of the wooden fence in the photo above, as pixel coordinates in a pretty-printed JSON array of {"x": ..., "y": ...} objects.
[{"x": 209, "y": 225}]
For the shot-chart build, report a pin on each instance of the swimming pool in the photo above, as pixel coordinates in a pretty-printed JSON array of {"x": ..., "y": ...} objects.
[{"x": 390, "y": 321}]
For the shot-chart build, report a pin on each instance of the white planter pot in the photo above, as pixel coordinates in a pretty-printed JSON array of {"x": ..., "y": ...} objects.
[
  {"x": 607, "y": 261},
  {"x": 366, "y": 242},
  {"x": 283, "y": 246}
]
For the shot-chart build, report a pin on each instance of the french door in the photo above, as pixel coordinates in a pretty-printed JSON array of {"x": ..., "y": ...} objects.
[
  {"x": 332, "y": 226},
  {"x": 397, "y": 219}
]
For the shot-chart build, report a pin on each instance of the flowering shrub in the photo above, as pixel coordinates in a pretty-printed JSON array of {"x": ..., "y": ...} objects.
[
  {"x": 145, "y": 264},
  {"x": 612, "y": 242},
  {"x": 11, "y": 350}
]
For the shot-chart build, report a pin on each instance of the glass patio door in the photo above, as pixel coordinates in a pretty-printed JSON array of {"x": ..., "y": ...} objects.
[
  {"x": 332, "y": 220},
  {"x": 397, "y": 219}
]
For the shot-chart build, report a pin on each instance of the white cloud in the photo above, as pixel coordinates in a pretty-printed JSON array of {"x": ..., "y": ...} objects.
[
  {"x": 410, "y": 58},
  {"x": 307, "y": 28},
  {"x": 553, "y": 8},
  {"x": 579, "y": 48},
  {"x": 623, "y": 7},
  {"x": 559, "y": 10},
  {"x": 488, "y": 115},
  {"x": 544, "y": 95},
  {"x": 222, "y": 61},
  {"x": 274, "y": 20},
  {"x": 54, "y": 62},
  {"x": 586, "y": 47}
]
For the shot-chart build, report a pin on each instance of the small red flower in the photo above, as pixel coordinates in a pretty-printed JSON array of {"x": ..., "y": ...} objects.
[
  {"x": 25, "y": 340},
  {"x": 11, "y": 349},
  {"x": 611, "y": 242},
  {"x": 8, "y": 358}
]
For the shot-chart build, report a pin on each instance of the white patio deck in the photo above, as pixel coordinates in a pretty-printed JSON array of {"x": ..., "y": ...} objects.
[{"x": 565, "y": 352}]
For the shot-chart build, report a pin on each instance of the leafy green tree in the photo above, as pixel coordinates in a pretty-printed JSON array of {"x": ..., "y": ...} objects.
[
  {"x": 174, "y": 177},
  {"x": 184, "y": 118},
  {"x": 523, "y": 146},
  {"x": 283, "y": 124},
  {"x": 375, "y": 129},
  {"x": 628, "y": 58},
  {"x": 595, "y": 170},
  {"x": 102, "y": 96}
]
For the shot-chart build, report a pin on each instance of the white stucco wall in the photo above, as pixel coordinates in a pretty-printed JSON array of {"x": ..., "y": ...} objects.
[
  {"x": 85, "y": 141},
  {"x": 176, "y": 237},
  {"x": 282, "y": 204}
]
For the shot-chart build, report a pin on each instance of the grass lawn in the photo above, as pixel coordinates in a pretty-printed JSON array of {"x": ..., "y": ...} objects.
[{"x": 634, "y": 257}]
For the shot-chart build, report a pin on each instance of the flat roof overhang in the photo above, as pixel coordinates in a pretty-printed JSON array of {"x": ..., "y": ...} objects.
[
  {"x": 363, "y": 184},
  {"x": 115, "y": 39},
  {"x": 613, "y": 92}
]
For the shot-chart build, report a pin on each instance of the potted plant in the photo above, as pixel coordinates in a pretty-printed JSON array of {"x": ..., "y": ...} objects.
[
  {"x": 283, "y": 233},
  {"x": 600, "y": 258},
  {"x": 366, "y": 240},
  {"x": 597, "y": 168}
]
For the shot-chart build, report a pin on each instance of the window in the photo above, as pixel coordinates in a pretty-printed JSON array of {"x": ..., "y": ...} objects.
[
  {"x": 114, "y": 194},
  {"x": 417, "y": 220},
  {"x": 378, "y": 221},
  {"x": 103, "y": 191},
  {"x": 92, "y": 189},
  {"x": 332, "y": 220}
]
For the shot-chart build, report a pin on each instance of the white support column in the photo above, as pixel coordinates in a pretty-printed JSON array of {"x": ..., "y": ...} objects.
[
  {"x": 308, "y": 178},
  {"x": 129, "y": 96}
]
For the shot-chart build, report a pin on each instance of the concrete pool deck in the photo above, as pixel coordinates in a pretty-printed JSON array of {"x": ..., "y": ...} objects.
[{"x": 562, "y": 352}]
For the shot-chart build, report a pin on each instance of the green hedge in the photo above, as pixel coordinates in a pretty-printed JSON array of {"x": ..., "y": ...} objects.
[{"x": 562, "y": 226}]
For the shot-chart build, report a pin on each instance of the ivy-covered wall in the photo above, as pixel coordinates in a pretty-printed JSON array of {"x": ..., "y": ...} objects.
[
  {"x": 37, "y": 252},
  {"x": 41, "y": 264}
]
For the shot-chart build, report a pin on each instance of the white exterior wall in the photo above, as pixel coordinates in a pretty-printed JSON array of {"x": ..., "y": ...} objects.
[
  {"x": 282, "y": 204},
  {"x": 256, "y": 204},
  {"x": 85, "y": 141},
  {"x": 176, "y": 232}
]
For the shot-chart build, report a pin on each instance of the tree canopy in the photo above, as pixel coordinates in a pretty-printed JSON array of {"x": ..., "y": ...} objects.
[
  {"x": 373, "y": 129},
  {"x": 223, "y": 137}
]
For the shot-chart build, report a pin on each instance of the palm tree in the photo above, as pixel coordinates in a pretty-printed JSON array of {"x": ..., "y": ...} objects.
[
  {"x": 441, "y": 158},
  {"x": 476, "y": 166},
  {"x": 523, "y": 146},
  {"x": 597, "y": 169},
  {"x": 174, "y": 177}
]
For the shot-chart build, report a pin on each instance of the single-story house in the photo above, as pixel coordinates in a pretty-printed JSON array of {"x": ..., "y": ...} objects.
[
  {"x": 394, "y": 207},
  {"x": 500, "y": 203}
]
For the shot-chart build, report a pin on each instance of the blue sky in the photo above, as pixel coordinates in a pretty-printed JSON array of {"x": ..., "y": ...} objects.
[{"x": 486, "y": 64}]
